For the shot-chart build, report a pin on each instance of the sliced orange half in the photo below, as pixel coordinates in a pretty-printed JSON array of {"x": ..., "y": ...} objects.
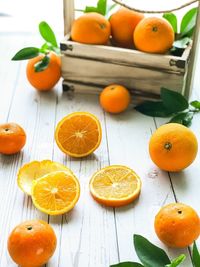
[
  {"x": 78, "y": 134},
  {"x": 115, "y": 186},
  {"x": 56, "y": 193},
  {"x": 35, "y": 170}
]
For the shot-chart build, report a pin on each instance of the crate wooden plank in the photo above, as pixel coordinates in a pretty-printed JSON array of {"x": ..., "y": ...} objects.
[{"x": 104, "y": 73}]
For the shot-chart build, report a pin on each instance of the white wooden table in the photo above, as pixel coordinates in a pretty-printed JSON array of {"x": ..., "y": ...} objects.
[{"x": 91, "y": 235}]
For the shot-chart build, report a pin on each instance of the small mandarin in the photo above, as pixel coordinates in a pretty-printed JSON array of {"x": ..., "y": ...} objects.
[
  {"x": 91, "y": 28},
  {"x": 12, "y": 138},
  {"x": 32, "y": 243},
  {"x": 44, "y": 80},
  {"x": 173, "y": 147},
  {"x": 177, "y": 225},
  {"x": 115, "y": 98},
  {"x": 154, "y": 35}
]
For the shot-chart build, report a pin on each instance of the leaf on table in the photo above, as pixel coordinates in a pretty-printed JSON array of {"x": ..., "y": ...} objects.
[
  {"x": 176, "y": 262},
  {"x": 173, "y": 101},
  {"x": 42, "y": 64},
  {"x": 172, "y": 19},
  {"x": 182, "y": 43},
  {"x": 195, "y": 256},
  {"x": 127, "y": 264},
  {"x": 149, "y": 254},
  {"x": 153, "y": 109},
  {"x": 47, "y": 33},
  {"x": 195, "y": 104},
  {"x": 27, "y": 53},
  {"x": 184, "y": 118},
  {"x": 188, "y": 22}
]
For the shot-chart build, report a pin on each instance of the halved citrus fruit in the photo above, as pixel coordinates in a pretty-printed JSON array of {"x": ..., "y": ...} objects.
[
  {"x": 78, "y": 134},
  {"x": 56, "y": 193},
  {"x": 35, "y": 170},
  {"x": 115, "y": 186}
]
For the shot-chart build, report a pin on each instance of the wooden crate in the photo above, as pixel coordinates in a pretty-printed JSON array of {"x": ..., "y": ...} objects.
[{"x": 89, "y": 68}]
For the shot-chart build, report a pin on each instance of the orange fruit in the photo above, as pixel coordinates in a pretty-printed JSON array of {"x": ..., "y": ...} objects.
[
  {"x": 177, "y": 225},
  {"x": 115, "y": 98},
  {"x": 123, "y": 23},
  {"x": 91, "y": 28},
  {"x": 44, "y": 80},
  {"x": 12, "y": 138},
  {"x": 173, "y": 147},
  {"x": 78, "y": 134},
  {"x": 32, "y": 243},
  {"x": 115, "y": 186},
  {"x": 154, "y": 35},
  {"x": 56, "y": 193},
  {"x": 35, "y": 170}
]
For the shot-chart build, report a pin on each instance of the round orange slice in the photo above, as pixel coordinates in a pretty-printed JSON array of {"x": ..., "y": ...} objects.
[
  {"x": 56, "y": 193},
  {"x": 78, "y": 134},
  {"x": 115, "y": 186},
  {"x": 35, "y": 170}
]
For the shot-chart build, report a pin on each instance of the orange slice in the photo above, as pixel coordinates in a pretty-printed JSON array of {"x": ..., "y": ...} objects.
[
  {"x": 35, "y": 170},
  {"x": 115, "y": 186},
  {"x": 78, "y": 134},
  {"x": 56, "y": 193}
]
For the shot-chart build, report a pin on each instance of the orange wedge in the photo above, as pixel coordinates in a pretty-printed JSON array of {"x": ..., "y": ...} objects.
[
  {"x": 56, "y": 193},
  {"x": 78, "y": 134},
  {"x": 35, "y": 170},
  {"x": 115, "y": 186}
]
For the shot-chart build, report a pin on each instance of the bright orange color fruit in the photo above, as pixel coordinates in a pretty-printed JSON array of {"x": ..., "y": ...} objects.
[
  {"x": 115, "y": 186},
  {"x": 78, "y": 134},
  {"x": 91, "y": 28},
  {"x": 173, "y": 147},
  {"x": 56, "y": 193},
  {"x": 123, "y": 23},
  {"x": 44, "y": 80},
  {"x": 12, "y": 138},
  {"x": 154, "y": 35},
  {"x": 115, "y": 98},
  {"x": 32, "y": 243},
  {"x": 177, "y": 225}
]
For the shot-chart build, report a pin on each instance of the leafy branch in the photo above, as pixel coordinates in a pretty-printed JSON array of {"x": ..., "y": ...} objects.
[
  {"x": 172, "y": 104},
  {"x": 153, "y": 256},
  {"x": 50, "y": 45}
]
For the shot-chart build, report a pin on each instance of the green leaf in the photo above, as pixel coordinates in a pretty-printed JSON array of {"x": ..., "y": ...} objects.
[
  {"x": 47, "y": 33},
  {"x": 195, "y": 256},
  {"x": 173, "y": 101},
  {"x": 188, "y": 22},
  {"x": 177, "y": 261},
  {"x": 153, "y": 109},
  {"x": 195, "y": 104},
  {"x": 100, "y": 8},
  {"x": 46, "y": 47},
  {"x": 172, "y": 19},
  {"x": 127, "y": 264},
  {"x": 27, "y": 53},
  {"x": 184, "y": 118},
  {"x": 42, "y": 64},
  {"x": 110, "y": 9},
  {"x": 182, "y": 43},
  {"x": 149, "y": 254}
]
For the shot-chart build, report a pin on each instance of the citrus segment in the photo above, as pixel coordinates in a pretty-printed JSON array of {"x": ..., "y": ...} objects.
[
  {"x": 35, "y": 170},
  {"x": 56, "y": 193},
  {"x": 78, "y": 134},
  {"x": 115, "y": 186}
]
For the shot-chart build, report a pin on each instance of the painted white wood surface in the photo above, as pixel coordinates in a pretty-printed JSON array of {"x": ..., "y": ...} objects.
[{"x": 90, "y": 235}]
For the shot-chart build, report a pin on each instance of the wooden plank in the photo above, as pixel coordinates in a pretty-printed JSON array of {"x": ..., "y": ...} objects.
[
  {"x": 104, "y": 73},
  {"x": 68, "y": 12}
]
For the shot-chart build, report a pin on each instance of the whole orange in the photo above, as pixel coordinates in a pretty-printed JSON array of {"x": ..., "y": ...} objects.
[
  {"x": 123, "y": 23},
  {"x": 44, "y": 80},
  {"x": 32, "y": 243},
  {"x": 173, "y": 147},
  {"x": 154, "y": 35},
  {"x": 12, "y": 138},
  {"x": 115, "y": 98},
  {"x": 91, "y": 28},
  {"x": 177, "y": 225}
]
